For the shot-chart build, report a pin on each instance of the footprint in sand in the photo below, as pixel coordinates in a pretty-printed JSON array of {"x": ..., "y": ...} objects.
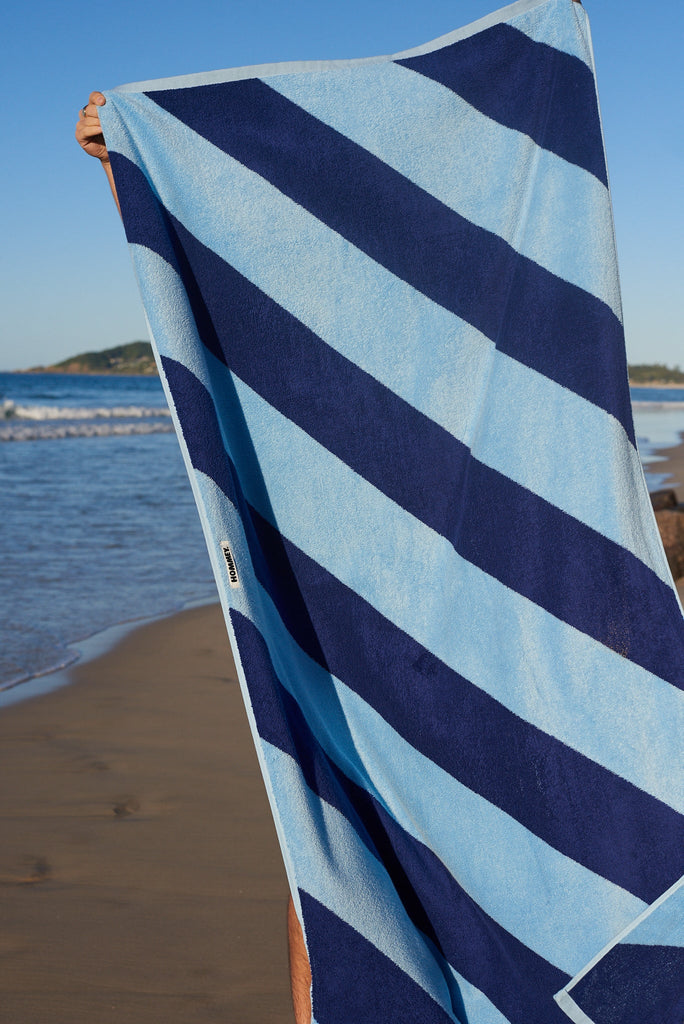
[
  {"x": 125, "y": 807},
  {"x": 39, "y": 871}
]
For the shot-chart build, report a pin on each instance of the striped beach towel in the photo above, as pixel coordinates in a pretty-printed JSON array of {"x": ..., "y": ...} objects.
[{"x": 384, "y": 299}]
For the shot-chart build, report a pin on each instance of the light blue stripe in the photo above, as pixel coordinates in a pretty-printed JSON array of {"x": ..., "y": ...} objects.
[
  {"x": 338, "y": 866},
  {"x": 336, "y": 291},
  {"x": 593, "y": 693},
  {"x": 560, "y": 24},
  {"x": 664, "y": 924},
  {"x": 219, "y": 518},
  {"x": 569, "y": 452},
  {"x": 479, "y": 1009},
  {"x": 561, "y": 219}
]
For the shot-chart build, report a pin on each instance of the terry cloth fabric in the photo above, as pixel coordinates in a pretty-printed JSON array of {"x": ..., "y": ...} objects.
[{"x": 385, "y": 303}]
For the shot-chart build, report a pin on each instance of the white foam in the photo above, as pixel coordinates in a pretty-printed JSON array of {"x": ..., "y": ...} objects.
[
  {"x": 9, "y": 410},
  {"x": 90, "y": 428},
  {"x": 20, "y": 422},
  {"x": 660, "y": 406}
]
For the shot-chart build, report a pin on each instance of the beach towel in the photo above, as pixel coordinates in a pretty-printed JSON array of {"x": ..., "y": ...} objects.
[{"x": 384, "y": 300}]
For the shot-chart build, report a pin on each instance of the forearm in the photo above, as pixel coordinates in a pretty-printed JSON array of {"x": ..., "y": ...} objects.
[
  {"x": 91, "y": 139},
  {"x": 107, "y": 167},
  {"x": 300, "y": 970}
]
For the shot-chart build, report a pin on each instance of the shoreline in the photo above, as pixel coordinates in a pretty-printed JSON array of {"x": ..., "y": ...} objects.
[
  {"x": 670, "y": 464},
  {"x": 672, "y": 467},
  {"x": 83, "y": 651},
  {"x": 140, "y": 872}
]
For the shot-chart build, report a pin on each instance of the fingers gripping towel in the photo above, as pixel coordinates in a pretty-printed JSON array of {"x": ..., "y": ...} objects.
[{"x": 384, "y": 299}]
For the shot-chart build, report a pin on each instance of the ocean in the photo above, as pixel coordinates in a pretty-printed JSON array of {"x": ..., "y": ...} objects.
[
  {"x": 98, "y": 521},
  {"x": 658, "y": 423}
]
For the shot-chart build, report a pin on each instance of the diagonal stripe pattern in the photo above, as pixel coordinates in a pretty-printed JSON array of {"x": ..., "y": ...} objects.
[{"x": 398, "y": 380}]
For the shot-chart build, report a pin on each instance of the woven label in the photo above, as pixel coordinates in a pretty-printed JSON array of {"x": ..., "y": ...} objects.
[{"x": 233, "y": 578}]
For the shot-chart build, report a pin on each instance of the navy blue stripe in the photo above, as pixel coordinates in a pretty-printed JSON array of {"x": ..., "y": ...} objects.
[
  {"x": 147, "y": 223},
  {"x": 528, "y": 544},
  {"x": 205, "y": 444},
  {"x": 550, "y": 325},
  {"x": 622, "y": 834},
  {"x": 529, "y": 86},
  {"x": 632, "y": 984},
  {"x": 144, "y": 218},
  {"x": 352, "y": 981},
  {"x": 201, "y": 429},
  {"x": 518, "y": 981}
]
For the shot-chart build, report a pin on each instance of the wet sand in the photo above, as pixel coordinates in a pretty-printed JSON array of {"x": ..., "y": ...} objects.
[
  {"x": 140, "y": 877},
  {"x": 673, "y": 465}
]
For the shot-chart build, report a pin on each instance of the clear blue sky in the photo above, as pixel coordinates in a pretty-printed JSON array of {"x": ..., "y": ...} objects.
[{"x": 66, "y": 281}]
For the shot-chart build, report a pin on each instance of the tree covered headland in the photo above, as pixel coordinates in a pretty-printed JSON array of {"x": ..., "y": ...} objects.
[
  {"x": 655, "y": 373},
  {"x": 134, "y": 358}
]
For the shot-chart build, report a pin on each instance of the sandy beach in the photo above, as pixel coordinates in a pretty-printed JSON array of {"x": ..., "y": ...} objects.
[
  {"x": 140, "y": 876},
  {"x": 139, "y": 870},
  {"x": 673, "y": 465}
]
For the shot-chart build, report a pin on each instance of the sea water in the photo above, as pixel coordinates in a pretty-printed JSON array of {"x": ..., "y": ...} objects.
[
  {"x": 97, "y": 521},
  {"x": 658, "y": 423}
]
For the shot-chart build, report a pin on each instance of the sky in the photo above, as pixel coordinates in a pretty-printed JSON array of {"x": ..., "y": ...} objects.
[{"x": 66, "y": 280}]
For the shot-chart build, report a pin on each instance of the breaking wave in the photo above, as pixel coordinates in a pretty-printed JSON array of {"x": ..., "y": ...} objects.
[
  {"x": 657, "y": 406},
  {"x": 46, "y": 422}
]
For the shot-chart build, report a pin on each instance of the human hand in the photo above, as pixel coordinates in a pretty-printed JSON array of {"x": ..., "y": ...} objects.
[
  {"x": 90, "y": 138},
  {"x": 89, "y": 130}
]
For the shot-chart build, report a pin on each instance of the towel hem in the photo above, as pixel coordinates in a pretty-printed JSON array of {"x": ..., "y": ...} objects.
[{"x": 565, "y": 1000}]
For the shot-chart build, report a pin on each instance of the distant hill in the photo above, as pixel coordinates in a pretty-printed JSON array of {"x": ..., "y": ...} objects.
[
  {"x": 645, "y": 374},
  {"x": 134, "y": 358}
]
